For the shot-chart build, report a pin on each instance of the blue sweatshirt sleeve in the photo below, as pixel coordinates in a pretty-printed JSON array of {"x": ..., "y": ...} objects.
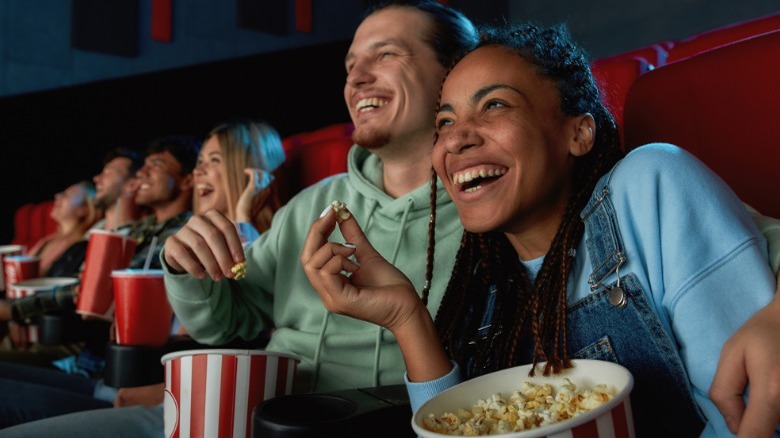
[
  {"x": 703, "y": 258},
  {"x": 421, "y": 392}
]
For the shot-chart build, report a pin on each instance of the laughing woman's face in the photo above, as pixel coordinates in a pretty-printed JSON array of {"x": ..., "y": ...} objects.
[{"x": 503, "y": 144}]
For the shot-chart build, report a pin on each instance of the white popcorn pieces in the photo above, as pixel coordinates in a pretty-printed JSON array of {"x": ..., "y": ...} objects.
[{"x": 532, "y": 406}]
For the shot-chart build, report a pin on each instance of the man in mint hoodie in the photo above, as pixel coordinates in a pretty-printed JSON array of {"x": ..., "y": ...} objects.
[{"x": 393, "y": 79}]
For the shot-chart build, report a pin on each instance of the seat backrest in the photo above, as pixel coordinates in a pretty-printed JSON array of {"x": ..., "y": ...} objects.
[
  {"x": 722, "y": 106},
  {"x": 614, "y": 76},
  {"x": 721, "y": 36},
  {"x": 312, "y": 156},
  {"x": 22, "y": 225},
  {"x": 33, "y": 221}
]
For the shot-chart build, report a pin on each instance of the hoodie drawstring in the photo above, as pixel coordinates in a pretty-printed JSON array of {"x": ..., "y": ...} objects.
[
  {"x": 402, "y": 228},
  {"x": 320, "y": 342},
  {"x": 378, "y": 342}
]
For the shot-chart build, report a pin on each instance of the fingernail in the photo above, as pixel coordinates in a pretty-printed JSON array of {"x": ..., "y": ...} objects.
[
  {"x": 325, "y": 212},
  {"x": 349, "y": 245},
  {"x": 340, "y": 208}
]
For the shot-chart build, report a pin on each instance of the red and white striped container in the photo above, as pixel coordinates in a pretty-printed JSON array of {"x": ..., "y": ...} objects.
[
  {"x": 211, "y": 393},
  {"x": 7, "y": 250},
  {"x": 30, "y": 333},
  {"x": 613, "y": 419}
]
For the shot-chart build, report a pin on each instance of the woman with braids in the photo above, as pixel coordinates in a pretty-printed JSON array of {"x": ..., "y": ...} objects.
[{"x": 570, "y": 250}]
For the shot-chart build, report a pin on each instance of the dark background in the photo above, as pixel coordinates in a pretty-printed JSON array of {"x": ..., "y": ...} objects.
[{"x": 55, "y": 138}]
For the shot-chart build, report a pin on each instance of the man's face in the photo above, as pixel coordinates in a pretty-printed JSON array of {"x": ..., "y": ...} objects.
[
  {"x": 159, "y": 180},
  {"x": 108, "y": 183},
  {"x": 393, "y": 78}
]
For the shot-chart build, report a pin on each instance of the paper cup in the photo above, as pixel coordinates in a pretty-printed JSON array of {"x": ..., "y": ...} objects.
[
  {"x": 211, "y": 393},
  {"x": 30, "y": 333},
  {"x": 7, "y": 250},
  {"x": 142, "y": 313},
  {"x": 18, "y": 268},
  {"x": 106, "y": 251}
]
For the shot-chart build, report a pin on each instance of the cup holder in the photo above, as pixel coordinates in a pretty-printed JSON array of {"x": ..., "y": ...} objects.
[{"x": 349, "y": 413}]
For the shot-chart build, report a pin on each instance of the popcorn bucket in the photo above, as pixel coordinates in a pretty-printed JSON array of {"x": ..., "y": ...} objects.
[
  {"x": 7, "y": 250},
  {"x": 30, "y": 333},
  {"x": 142, "y": 312},
  {"x": 211, "y": 393},
  {"x": 18, "y": 268},
  {"x": 106, "y": 251}
]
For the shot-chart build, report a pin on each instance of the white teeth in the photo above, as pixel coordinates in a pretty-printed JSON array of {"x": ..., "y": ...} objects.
[
  {"x": 370, "y": 103},
  {"x": 471, "y": 175},
  {"x": 144, "y": 186},
  {"x": 472, "y": 189}
]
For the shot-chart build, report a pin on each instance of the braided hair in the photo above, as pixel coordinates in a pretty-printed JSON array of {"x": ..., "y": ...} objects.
[{"x": 529, "y": 318}]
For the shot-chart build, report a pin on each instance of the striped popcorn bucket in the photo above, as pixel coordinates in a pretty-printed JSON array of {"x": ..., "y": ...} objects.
[
  {"x": 612, "y": 419},
  {"x": 30, "y": 333},
  {"x": 211, "y": 393}
]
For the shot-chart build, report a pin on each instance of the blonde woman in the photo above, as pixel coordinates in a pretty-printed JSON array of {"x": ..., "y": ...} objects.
[
  {"x": 234, "y": 175},
  {"x": 74, "y": 211}
]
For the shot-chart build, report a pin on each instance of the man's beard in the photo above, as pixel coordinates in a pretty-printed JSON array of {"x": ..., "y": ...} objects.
[{"x": 371, "y": 139}]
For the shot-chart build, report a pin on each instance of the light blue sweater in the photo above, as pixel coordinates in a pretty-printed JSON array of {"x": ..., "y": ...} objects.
[{"x": 697, "y": 253}]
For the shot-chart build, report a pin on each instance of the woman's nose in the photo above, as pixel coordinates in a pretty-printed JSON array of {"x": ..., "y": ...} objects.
[{"x": 460, "y": 138}]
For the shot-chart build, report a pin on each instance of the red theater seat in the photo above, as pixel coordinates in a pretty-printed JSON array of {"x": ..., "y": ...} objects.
[
  {"x": 721, "y": 36},
  {"x": 312, "y": 156},
  {"x": 32, "y": 222},
  {"x": 614, "y": 76},
  {"x": 721, "y": 105}
]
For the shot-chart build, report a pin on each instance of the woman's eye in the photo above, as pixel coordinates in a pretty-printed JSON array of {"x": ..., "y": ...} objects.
[
  {"x": 493, "y": 104},
  {"x": 441, "y": 123}
]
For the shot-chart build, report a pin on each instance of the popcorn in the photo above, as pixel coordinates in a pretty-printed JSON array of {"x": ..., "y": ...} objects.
[
  {"x": 532, "y": 406},
  {"x": 239, "y": 270}
]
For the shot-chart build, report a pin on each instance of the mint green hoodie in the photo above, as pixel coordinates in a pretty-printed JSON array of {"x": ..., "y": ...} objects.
[{"x": 336, "y": 352}]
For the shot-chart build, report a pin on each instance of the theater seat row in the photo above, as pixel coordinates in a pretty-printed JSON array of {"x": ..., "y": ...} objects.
[
  {"x": 616, "y": 73},
  {"x": 311, "y": 156}
]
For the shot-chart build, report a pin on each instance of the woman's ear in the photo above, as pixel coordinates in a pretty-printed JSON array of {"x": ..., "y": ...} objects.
[{"x": 584, "y": 135}]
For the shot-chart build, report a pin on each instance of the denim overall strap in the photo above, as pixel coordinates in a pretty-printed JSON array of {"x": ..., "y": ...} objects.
[{"x": 616, "y": 323}]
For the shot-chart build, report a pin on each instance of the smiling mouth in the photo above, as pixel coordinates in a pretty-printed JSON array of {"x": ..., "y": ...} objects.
[
  {"x": 370, "y": 104},
  {"x": 471, "y": 180},
  {"x": 203, "y": 190}
]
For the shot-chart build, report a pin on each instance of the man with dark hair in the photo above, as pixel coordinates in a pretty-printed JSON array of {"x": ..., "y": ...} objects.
[{"x": 164, "y": 185}]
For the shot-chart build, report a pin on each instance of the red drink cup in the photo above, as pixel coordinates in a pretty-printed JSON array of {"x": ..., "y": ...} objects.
[
  {"x": 17, "y": 268},
  {"x": 30, "y": 332},
  {"x": 106, "y": 251},
  {"x": 7, "y": 250},
  {"x": 142, "y": 313},
  {"x": 213, "y": 392}
]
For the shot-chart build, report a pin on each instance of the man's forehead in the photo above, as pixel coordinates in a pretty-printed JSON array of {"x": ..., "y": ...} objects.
[{"x": 161, "y": 157}]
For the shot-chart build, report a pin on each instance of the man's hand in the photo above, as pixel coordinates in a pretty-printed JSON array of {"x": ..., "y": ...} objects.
[{"x": 206, "y": 244}]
